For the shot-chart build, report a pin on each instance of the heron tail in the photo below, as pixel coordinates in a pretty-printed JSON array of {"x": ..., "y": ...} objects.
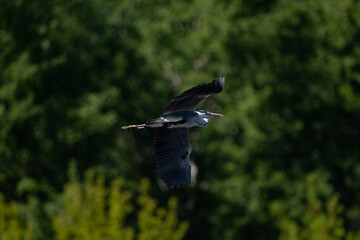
[{"x": 140, "y": 126}]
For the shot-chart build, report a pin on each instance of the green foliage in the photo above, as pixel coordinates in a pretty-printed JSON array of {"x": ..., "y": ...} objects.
[
  {"x": 12, "y": 226},
  {"x": 321, "y": 218},
  {"x": 93, "y": 211},
  {"x": 158, "y": 223}
]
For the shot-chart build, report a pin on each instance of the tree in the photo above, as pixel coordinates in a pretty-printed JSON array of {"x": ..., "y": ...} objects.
[
  {"x": 12, "y": 226},
  {"x": 94, "y": 211},
  {"x": 317, "y": 220}
]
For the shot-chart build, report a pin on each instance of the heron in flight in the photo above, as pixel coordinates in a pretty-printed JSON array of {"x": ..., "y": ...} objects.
[{"x": 171, "y": 144}]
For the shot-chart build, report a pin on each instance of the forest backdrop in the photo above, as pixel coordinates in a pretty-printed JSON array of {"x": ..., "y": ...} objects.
[{"x": 284, "y": 162}]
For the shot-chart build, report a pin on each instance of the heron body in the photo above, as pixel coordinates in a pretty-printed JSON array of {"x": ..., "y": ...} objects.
[
  {"x": 171, "y": 143},
  {"x": 181, "y": 119}
]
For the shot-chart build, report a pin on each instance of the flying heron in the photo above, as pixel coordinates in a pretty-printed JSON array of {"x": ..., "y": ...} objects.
[{"x": 171, "y": 144}]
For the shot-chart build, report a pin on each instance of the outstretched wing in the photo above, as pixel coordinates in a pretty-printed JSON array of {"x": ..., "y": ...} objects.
[
  {"x": 190, "y": 98},
  {"x": 172, "y": 152}
]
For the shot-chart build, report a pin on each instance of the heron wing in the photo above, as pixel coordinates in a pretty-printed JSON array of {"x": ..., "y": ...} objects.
[
  {"x": 172, "y": 152},
  {"x": 188, "y": 100}
]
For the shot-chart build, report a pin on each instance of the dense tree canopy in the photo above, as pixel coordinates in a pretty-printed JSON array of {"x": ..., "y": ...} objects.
[{"x": 283, "y": 163}]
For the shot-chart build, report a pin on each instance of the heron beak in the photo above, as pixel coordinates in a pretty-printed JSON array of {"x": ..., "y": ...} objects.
[{"x": 216, "y": 115}]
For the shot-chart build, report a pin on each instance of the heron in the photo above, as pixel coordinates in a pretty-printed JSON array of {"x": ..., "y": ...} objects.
[{"x": 172, "y": 147}]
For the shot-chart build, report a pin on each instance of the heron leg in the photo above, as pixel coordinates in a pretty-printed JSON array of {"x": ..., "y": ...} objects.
[
  {"x": 153, "y": 123},
  {"x": 140, "y": 126}
]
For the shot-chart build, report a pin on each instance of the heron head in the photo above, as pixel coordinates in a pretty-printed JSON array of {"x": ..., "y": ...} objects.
[{"x": 206, "y": 114}]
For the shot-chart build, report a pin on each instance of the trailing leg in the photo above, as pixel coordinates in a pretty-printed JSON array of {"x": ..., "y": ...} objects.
[
  {"x": 153, "y": 123},
  {"x": 140, "y": 126}
]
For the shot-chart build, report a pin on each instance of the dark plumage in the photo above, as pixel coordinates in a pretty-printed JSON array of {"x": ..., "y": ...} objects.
[
  {"x": 172, "y": 152},
  {"x": 188, "y": 100}
]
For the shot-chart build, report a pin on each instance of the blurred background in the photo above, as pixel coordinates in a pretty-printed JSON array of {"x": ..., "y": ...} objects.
[{"x": 284, "y": 162}]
